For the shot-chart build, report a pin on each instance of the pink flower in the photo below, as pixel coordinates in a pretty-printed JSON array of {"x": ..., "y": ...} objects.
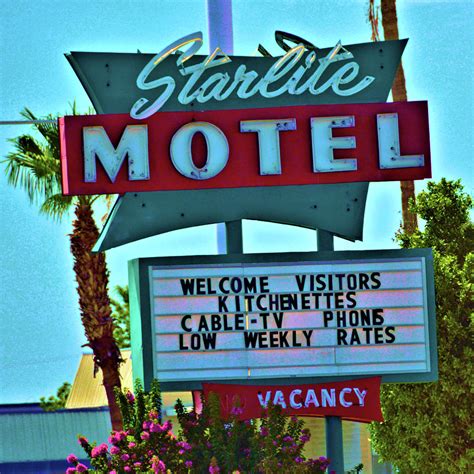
[
  {"x": 103, "y": 448},
  {"x": 184, "y": 445},
  {"x": 82, "y": 440},
  {"x": 71, "y": 470},
  {"x": 157, "y": 428},
  {"x": 114, "y": 450},
  {"x": 157, "y": 465},
  {"x": 81, "y": 468},
  {"x": 116, "y": 437},
  {"x": 214, "y": 469},
  {"x": 188, "y": 464},
  {"x": 130, "y": 397},
  {"x": 71, "y": 459},
  {"x": 95, "y": 452},
  {"x": 131, "y": 444},
  {"x": 146, "y": 425},
  {"x": 137, "y": 464},
  {"x": 113, "y": 472},
  {"x": 145, "y": 435},
  {"x": 127, "y": 468},
  {"x": 125, "y": 457}
]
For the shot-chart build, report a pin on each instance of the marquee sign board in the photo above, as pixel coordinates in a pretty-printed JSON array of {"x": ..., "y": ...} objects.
[
  {"x": 289, "y": 318},
  {"x": 142, "y": 84},
  {"x": 325, "y": 144}
]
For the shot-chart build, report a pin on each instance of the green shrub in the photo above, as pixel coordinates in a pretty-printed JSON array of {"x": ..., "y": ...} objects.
[{"x": 206, "y": 442}]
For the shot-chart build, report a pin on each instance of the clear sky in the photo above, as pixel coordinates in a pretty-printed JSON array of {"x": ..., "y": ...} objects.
[{"x": 40, "y": 329}]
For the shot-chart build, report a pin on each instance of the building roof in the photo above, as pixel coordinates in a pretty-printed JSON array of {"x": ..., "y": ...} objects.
[
  {"x": 39, "y": 436},
  {"x": 88, "y": 391}
]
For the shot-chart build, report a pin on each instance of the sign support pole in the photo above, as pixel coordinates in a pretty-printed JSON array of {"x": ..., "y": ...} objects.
[
  {"x": 219, "y": 21},
  {"x": 334, "y": 444},
  {"x": 334, "y": 440}
]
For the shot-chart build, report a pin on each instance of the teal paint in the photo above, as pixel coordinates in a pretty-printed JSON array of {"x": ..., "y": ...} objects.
[
  {"x": 110, "y": 78},
  {"x": 141, "y": 327},
  {"x": 336, "y": 208}
]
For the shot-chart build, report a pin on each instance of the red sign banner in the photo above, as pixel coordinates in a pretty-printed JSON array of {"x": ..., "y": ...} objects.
[
  {"x": 297, "y": 145},
  {"x": 356, "y": 400}
]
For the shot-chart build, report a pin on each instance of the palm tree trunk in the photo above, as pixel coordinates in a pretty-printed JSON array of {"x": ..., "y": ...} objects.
[
  {"x": 92, "y": 279},
  {"x": 399, "y": 93}
]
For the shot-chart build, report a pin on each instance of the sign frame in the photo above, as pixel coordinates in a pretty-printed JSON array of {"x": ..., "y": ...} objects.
[{"x": 143, "y": 345}]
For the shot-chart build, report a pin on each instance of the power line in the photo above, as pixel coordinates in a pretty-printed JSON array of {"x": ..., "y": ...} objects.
[{"x": 25, "y": 122}]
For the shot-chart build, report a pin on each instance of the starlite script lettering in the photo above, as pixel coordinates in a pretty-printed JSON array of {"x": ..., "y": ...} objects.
[{"x": 304, "y": 74}]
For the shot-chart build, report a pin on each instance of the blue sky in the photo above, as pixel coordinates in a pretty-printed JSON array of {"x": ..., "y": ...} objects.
[{"x": 40, "y": 330}]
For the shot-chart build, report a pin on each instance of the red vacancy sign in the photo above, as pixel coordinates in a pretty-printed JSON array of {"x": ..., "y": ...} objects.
[
  {"x": 357, "y": 400},
  {"x": 298, "y": 145}
]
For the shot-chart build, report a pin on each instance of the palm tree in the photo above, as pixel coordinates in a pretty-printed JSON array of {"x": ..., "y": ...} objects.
[
  {"x": 399, "y": 94},
  {"x": 34, "y": 165}
]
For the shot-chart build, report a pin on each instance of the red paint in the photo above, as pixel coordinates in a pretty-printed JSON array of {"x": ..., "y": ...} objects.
[
  {"x": 242, "y": 169},
  {"x": 197, "y": 402},
  {"x": 246, "y": 396}
]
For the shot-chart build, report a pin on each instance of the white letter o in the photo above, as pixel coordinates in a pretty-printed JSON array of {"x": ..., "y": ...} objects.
[{"x": 217, "y": 150}]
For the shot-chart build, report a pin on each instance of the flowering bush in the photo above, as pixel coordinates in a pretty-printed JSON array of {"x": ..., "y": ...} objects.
[
  {"x": 146, "y": 444},
  {"x": 273, "y": 444},
  {"x": 206, "y": 442}
]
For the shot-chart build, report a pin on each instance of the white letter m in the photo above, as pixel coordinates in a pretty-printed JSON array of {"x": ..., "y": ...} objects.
[{"x": 134, "y": 143}]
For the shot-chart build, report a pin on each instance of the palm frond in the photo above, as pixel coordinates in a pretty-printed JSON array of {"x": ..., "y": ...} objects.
[
  {"x": 33, "y": 167},
  {"x": 56, "y": 205},
  {"x": 49, "y": 131}
]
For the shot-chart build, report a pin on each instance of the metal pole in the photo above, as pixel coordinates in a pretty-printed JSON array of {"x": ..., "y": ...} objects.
[
  {"x": 325, "y": 240},
  {"x": 334, "y": 441},
  {"x": 219, "y": 22},
  {"x": 334, "y": 444}
]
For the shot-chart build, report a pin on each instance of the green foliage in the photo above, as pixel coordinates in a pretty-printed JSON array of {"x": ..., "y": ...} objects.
[
  {"x": 144, "y": 444},
  {"x": 57, "y": 402},
  {"x": 274, "y": 443},
  {"x": 356, "y": 469},
  {"x": 121, "y": 316},
  {"x": 206, "y": 443},
  {"x": 428, "y": 427}
]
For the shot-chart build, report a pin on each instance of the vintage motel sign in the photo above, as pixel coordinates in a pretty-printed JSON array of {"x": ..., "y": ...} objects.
[
  {"x": 258, "y": 163},
  {"x": 177, "y": 79},
  {"x": 302, "y": 145}
]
